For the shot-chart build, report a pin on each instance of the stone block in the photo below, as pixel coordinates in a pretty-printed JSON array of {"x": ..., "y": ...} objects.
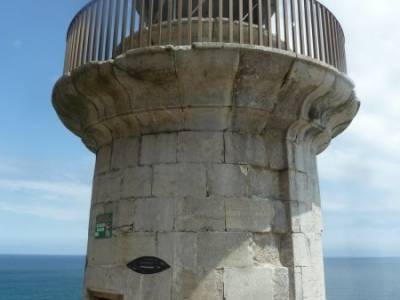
[
  {"x": 158, "y": 148},
  {"x": 281, "y": 284},
  {"x": 154, "y": 214},
  {"x": 302, "y": 250},
  {"x": 266, "y": 249},
  {"x": 200, "y": 214},
  {"x": 276, "y": 149},
  {"x": 179, "y": 180},
  {"x": 223, "y": 249},
  {"x": 125, "y": 153},
  {"x": 264, "y": 183},
  {"x": 134, "y": 245},
  {"x": 107, "y": 187},
  {"x": 253, "y": 283},
  {"x": 213, "y": 85},
  {"x": 245, "y": 149},
  {"x": 103, "y": 158},
  {"x": 280, "y": 223},
  {"x": 249, "y": 214},
  {"x": 101, "y": 252},
  {"x": 204, "y": 286},
  {"x": 200, "y": 147},
  {"x": 207, "y": 119},
  {"x": 228, "y": 180},
  {"x": 137, "y": 182}
]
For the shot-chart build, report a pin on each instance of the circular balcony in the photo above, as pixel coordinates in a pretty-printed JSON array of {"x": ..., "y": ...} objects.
[{"x": 104, "y": 29}]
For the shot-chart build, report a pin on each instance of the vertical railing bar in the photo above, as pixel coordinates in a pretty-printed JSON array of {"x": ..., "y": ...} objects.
[
  {"x": 307, "y": 21},
  {"x": 141, "y": 23},
  {"x": 331, "y": 30},
  {"x": 278, "y": 24},
  {"x": 328, "y": 26},
  {"x": 220, "y": 26},
  {"x": 150, "y": 25},
  {"x": 327, "y": 47},
  {"x": 210, "y": 20},
  {"x": 132, "y": 25},
  {"x": 340, "y": 49},
  {"x": 320, "y": 37},
  {"x": 160, "y": 20},
  {"x": 180, "y": 22},
  {"x": 124, "y": 24},
  {"x": 82, "y": 38},
  {"x": 169, "y": 21},
  {"x": 260, "y": 29},
  {"x": 86, "y": 41},
  {"x": 294, "y": 26},
  {"x": 241, "y": 21},
  {"x": 286, "y": 24},
  {"x": 79, "y": 50},
  {"x": 301, "y": 27},
  {"x": 251, "y": 37},
  {"x": 92, "y": 9},
  {"x": 190, "y": 13},
  {"x": 102, "y": 30},
  {"x": 96, "y": 30},
  {"x": 116, "y": 26},
  {"x": 72, "y": 45},
  {"x": 230, "y": 21},
  {"x": 335, "y": 44},
  {"x": 109, "y": 25},
  {"x": 66, "y": 58},
  {"x": 200, "y": 22},
  {"x": 76, "y": 42},
  {"x": 314, "y": 29},
  {"x": 269, "y": 20}
]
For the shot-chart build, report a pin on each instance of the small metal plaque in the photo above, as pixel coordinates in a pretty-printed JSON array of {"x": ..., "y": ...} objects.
[
  {"x": 103, "y": 226},
  {"x": 148, "y": 265}
]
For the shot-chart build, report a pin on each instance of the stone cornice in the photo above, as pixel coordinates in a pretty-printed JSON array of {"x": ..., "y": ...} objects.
[{"x": 226, "y": 87}]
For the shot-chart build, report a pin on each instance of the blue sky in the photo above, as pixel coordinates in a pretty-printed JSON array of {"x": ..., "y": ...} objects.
[{"x": 46, "y": 172}]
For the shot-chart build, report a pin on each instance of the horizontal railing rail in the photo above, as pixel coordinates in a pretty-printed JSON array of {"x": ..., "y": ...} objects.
[{"x": 104, "y": 29}]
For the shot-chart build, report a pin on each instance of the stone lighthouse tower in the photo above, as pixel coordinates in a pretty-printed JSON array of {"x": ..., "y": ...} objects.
[{"x": 206, "y": 117}]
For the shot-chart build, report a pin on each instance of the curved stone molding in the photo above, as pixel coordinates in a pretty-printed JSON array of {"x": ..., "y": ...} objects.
[{"x": 206, "y": 86}]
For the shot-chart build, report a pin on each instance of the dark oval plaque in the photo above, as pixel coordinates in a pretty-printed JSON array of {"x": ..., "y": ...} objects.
[{"x": 148, "y": 265}]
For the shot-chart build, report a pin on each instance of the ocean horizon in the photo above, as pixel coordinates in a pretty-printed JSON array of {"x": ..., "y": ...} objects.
[{"x": 49, "y": 277}]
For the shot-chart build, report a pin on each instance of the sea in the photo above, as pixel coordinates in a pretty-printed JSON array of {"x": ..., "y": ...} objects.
[{"x": 61, "y": 278}]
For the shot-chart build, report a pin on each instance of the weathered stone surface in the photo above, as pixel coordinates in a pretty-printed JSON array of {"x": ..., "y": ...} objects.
[
  {"x": 245, "y": 149},
  {"x": 249, "y": 214},
  {"x": 266, "y": 249},
  {"x": 213, "y": 85},
  {"x": 107, "y": 187},
  {"x": 125, "y": 153},
  {"x": 248, "y": 283},
  {"x": 179, "y": 180},
  {"x": 264, "y": 183},
  {"x": 103, "y": 158},
  {"x": 158, "y": 148},
  {"x": 228, "y": 180},
  {"x": 200, "y": 214},
  {"x": 223, "y": 249},
  {"x": 200, "y": 147},
  {"x": 136, "y": 182},
  {"x": 154, "y": 214}
]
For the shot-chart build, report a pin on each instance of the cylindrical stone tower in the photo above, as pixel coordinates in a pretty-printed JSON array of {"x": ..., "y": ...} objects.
[{"x": 206, "y": 118}]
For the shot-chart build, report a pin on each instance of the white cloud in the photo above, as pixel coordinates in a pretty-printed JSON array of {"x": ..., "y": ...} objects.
[{"x": 359, "y": 172}]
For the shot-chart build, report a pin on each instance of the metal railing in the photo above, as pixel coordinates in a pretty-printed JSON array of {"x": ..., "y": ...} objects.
[{"x": 104, "y": 29}]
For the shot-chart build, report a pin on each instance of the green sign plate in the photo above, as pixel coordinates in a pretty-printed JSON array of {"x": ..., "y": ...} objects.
[{"x": 103, "y": 226}]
